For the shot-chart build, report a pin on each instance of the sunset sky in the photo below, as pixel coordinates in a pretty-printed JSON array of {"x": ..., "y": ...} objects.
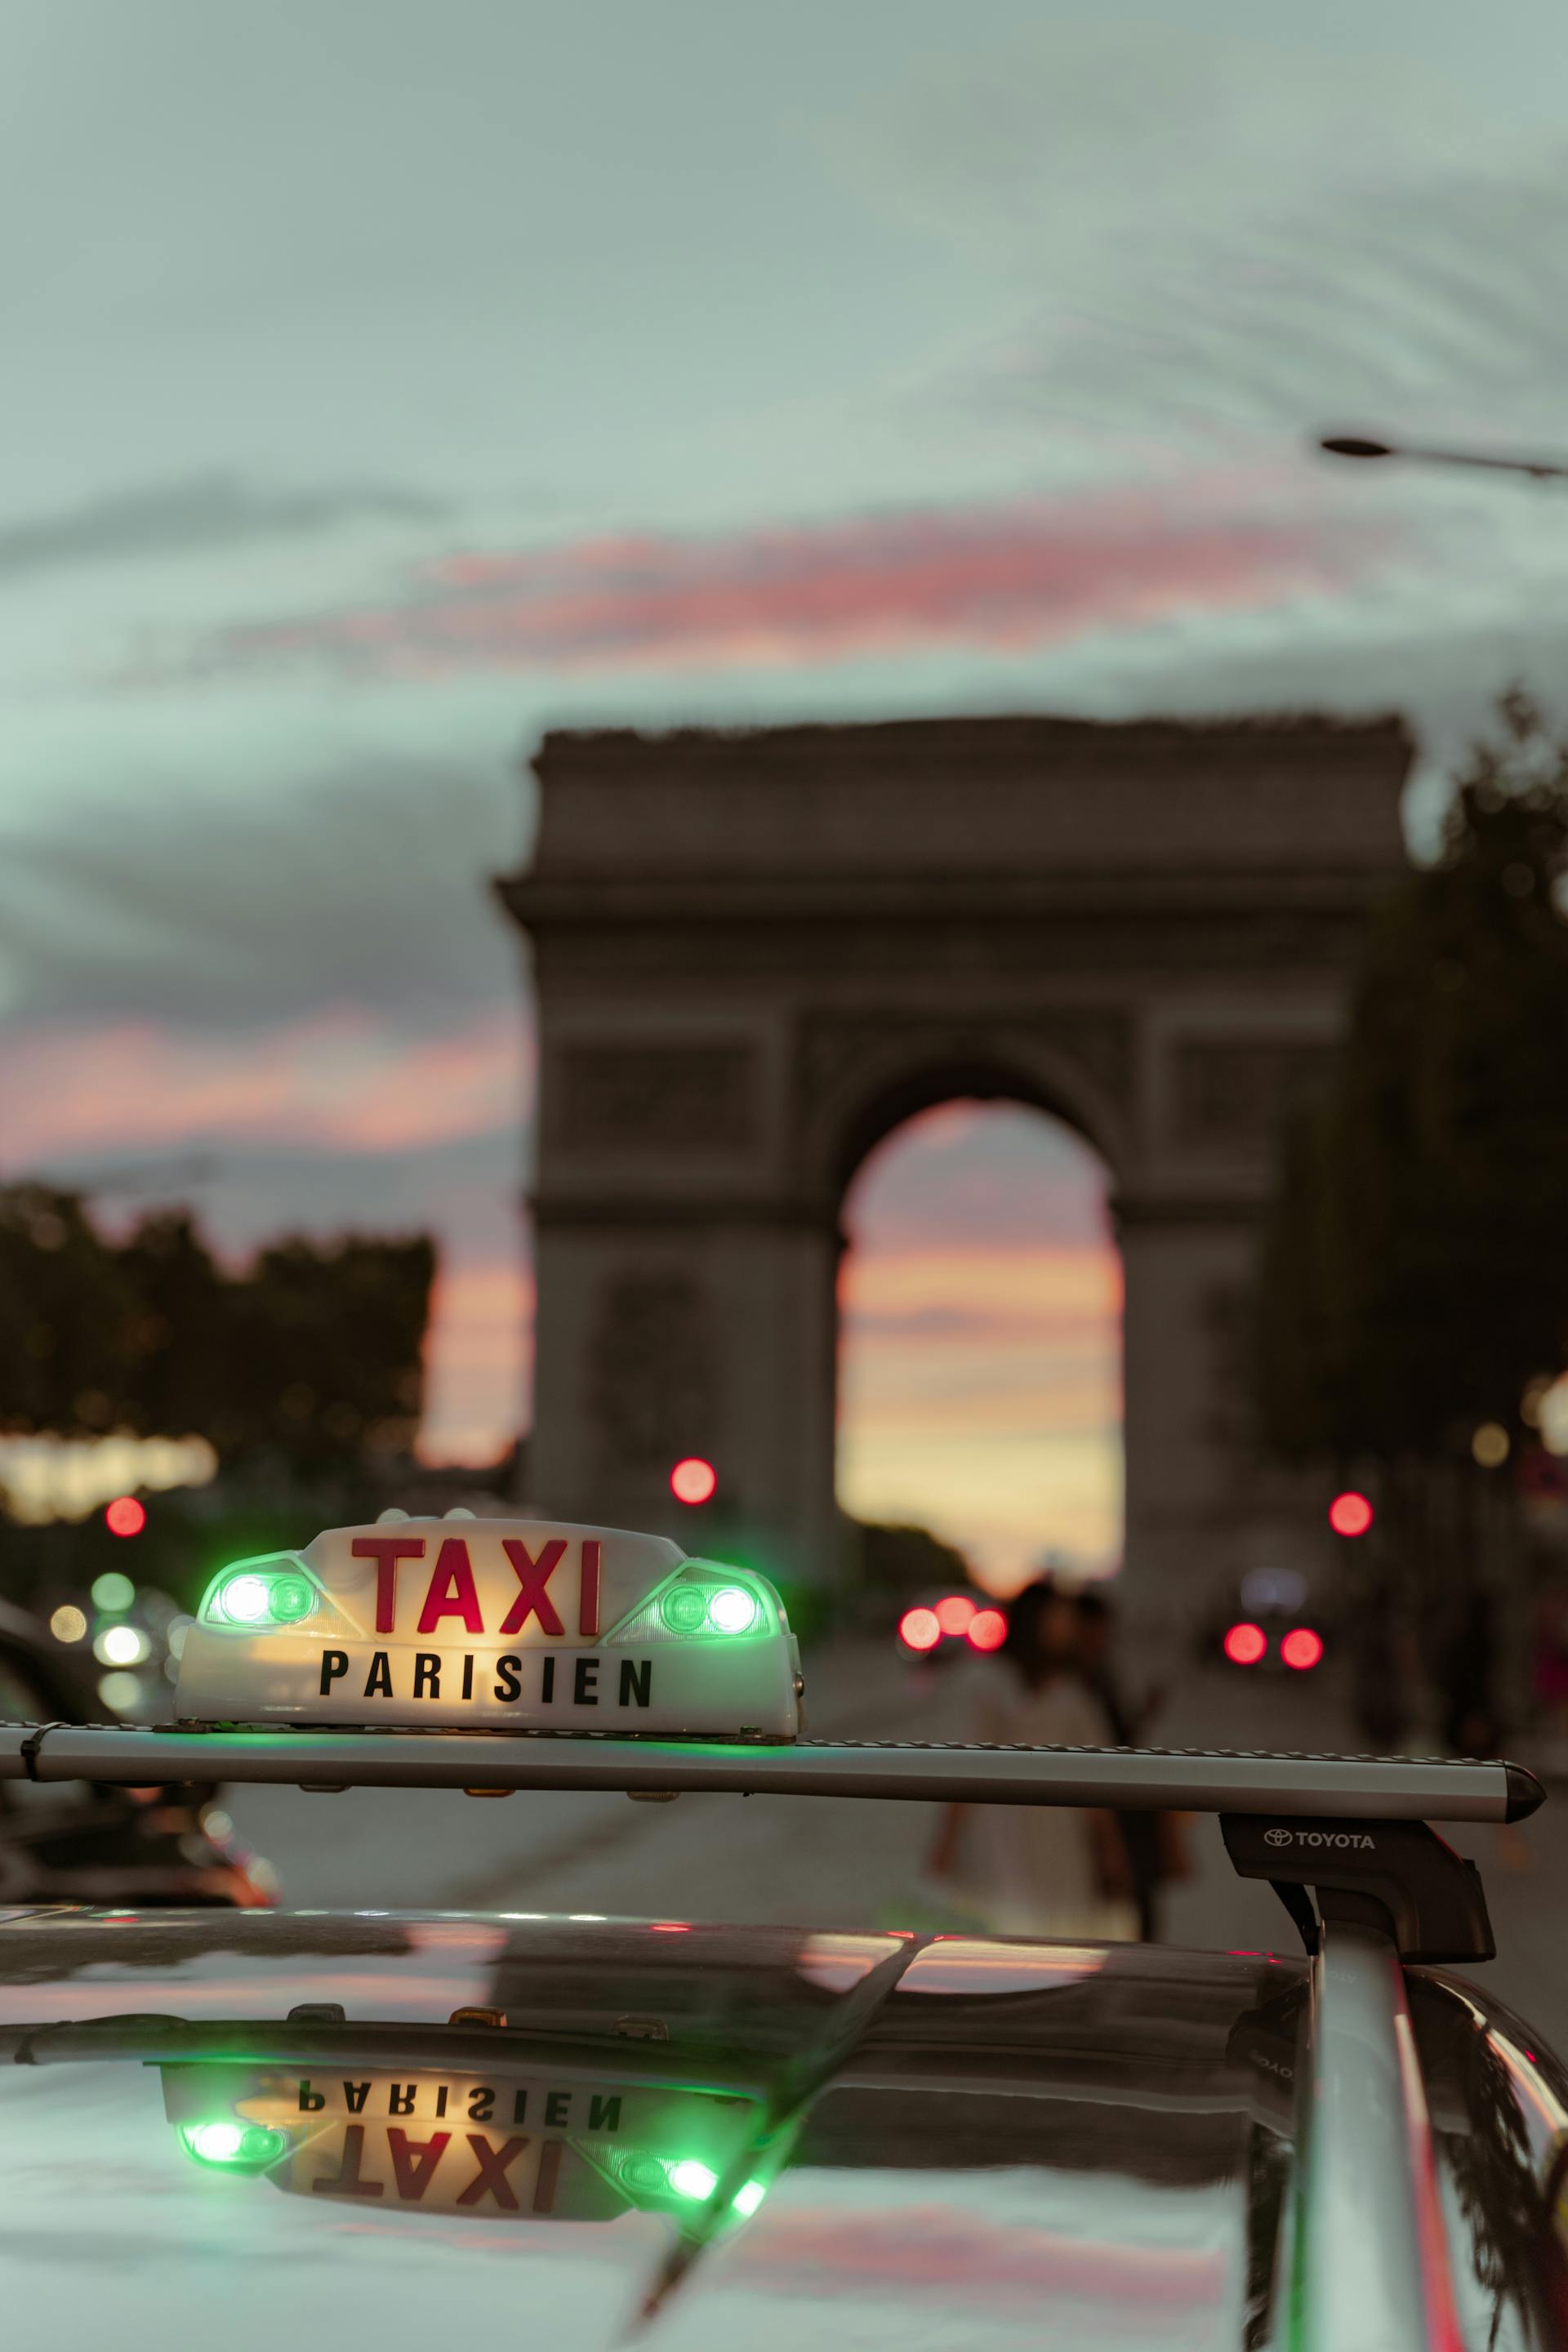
[{"x": 387, "y": 381}]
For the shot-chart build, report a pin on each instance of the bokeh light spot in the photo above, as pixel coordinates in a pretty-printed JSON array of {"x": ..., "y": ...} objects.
[
  {"x": 693, "y": 1480},
  {"x": 1350, "y": 1514},
  {"x": 1244, "y": 1645},
  {"x": 920, "y": 1628},
  {"x": 987, "y": 1629}
]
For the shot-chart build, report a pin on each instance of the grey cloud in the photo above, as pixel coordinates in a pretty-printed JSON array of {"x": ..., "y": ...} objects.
[
  {"x": 1228, "y": 229},
  {"x": 1440, "y": 304},
  {"x": 198, "y": 515},
  {"x": 365, "y": 885}
]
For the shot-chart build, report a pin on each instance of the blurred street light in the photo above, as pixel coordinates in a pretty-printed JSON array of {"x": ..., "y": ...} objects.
[
  {"x": 1490, "y": 1445},
  {"x": 1358, "y": 445}
]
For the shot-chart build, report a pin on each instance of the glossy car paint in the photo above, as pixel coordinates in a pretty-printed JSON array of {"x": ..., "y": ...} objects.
[{"x": 959, "y": 2143}]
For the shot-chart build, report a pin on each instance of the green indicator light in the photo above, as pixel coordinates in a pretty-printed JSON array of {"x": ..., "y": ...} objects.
[
  {"x": 746, "y": 2200},
  {"x": 691, "y": 2177},
  {"x": 732, "y": 1609},
  {"x": 260, "y": 1596},
  {"x": 290, "y": 1599},
  {"x": 685, "y": 1610},
  {"x": 244, "y": 1599}
]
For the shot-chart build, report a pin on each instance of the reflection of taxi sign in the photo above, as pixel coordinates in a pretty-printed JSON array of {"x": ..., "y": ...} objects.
[
  {"x": 492, "y": 1625},
  {"x": 519, "y": 2147}
]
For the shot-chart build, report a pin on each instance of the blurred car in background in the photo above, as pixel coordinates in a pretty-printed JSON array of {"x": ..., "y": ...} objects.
[
  {"x": 75, "y": 1841},
  {"x": 951, "y": 1625},
  {"x": 1274, "y": 1625}
]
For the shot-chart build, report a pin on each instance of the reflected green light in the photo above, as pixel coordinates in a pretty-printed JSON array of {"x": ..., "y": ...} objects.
[
  {"x": 645, "y": 2172},
  {"x": 112, "y": 1591},
  {"x": 691, "y": 2177},
  {"x": 225, "y": 2142},
  {"x": 747, "y": 2199}
]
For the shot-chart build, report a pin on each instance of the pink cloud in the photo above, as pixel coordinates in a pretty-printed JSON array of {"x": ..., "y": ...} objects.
[
  {"x": 1000, "y": 578},
  {"x": 341, "y": 1081},
  {"x": 476, "y": 1359}
]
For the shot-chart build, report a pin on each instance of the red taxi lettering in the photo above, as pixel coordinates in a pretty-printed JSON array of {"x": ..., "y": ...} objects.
[
  {"x": 490, "y": 2179},
  {"x": 346, "y": 2181},
  {"x": 588, "y": 1592},
  {"x": 533, "y": 1576},
  {"x": 386, "y": 1552},
  {"x": 451, "y": 1592},
  {"x": 414, "y": 2162}
]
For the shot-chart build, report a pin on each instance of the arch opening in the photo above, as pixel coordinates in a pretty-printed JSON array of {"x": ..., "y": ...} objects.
[{"x": 980, "y": 1333}]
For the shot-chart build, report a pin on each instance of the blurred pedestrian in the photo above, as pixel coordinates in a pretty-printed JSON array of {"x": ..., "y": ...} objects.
[
  {"x": 1155, "y": 1842},
  {"x": 1039, "y": 1870},
  {"x": 1467, "y": 1678}
]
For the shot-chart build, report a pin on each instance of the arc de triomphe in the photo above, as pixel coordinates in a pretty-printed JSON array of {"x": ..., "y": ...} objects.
[{"x": 757, "y": 952}]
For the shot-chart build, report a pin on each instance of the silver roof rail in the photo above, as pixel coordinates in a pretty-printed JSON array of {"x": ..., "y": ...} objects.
[{"x": 1337, "y": 1788}]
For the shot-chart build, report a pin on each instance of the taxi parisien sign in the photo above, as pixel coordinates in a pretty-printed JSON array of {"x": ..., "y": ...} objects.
[{"x": 493, "y": 1625}]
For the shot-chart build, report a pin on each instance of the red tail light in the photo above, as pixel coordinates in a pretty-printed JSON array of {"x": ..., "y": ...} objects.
[
  {"x": 1244, "y": 1645},
  {"x": 1301, "y": 1648},
  {"x": 987, "y": 1629},
  {"x": 919, "y": 1629}
]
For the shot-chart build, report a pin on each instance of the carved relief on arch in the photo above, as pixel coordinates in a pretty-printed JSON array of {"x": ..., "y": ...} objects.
[
  {"x": 651, "y": 1375},
  {"x": 859, "y": 1073}
]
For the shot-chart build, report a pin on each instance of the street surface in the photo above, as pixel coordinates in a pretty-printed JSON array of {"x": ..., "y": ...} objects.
[{"x": 843, "y": 1862}]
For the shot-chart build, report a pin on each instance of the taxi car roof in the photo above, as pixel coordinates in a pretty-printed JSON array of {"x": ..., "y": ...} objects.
[{"x": 980, "y": 2139}]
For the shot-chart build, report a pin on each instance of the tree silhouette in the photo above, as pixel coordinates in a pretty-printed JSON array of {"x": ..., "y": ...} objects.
[
  {"x": 311, "y": 1357},
  {"x": 1414, "y": 1276}
]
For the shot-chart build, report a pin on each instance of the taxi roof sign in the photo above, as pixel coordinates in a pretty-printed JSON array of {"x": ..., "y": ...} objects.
[{"x": 511, "y": 1626}]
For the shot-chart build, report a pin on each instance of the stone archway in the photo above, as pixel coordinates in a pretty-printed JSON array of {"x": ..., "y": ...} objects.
[{"x": 755, "y": 953}]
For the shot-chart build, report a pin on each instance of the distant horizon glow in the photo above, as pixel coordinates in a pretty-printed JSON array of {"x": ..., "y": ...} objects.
[{"x": 980, "y": 1362}]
